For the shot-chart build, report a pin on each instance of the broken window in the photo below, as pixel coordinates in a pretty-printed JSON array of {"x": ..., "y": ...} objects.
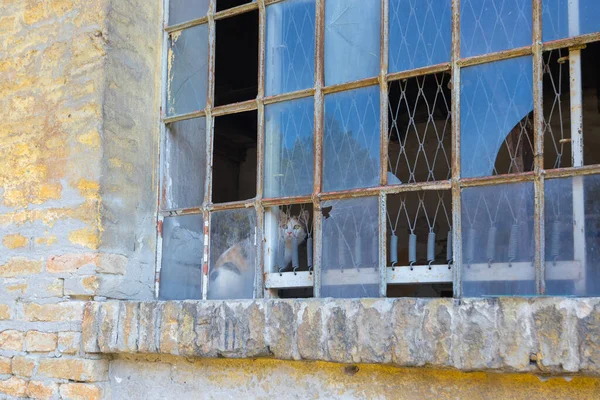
[{"x": 348, "y": 148}]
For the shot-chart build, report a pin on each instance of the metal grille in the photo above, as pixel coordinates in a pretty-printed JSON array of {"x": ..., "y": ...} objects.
[{"x": 556, "y": 110}]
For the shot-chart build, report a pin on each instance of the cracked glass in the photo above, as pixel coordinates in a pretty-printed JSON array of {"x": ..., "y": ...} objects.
[
  {"x": 188, "y": 70},
  {"x": 564, "y": 18},
  {"x": 290, "y": 49},
  {"x": 186, "y": 10}
]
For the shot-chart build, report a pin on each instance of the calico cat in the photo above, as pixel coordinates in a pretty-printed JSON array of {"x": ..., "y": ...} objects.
[{"x": 232, "y": 275}]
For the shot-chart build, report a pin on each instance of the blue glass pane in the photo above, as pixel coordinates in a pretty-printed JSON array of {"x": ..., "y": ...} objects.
[
  {"x": 186, "y": 10},
  {"x": 495, "y": 127},
  {"x": 188, "y": 70},
  {"x": 420, "y": 33},
  {"x": 290, "y": 51},
  {"x": 488, "y": 26},
  {"x": 564, "y": 18},
  {"x": 351, "y": 140},
  {"x": 182, "y": 250},
  {"x": 350, "y": 248},
  {"x": 289, "y": 153},
  {"x": 572, "y": 223},
  {"x": 497, "y": 240},
  {"x": 352, "y": 40}
]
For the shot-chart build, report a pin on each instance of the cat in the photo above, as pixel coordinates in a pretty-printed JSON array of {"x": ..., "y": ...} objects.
[{"x": 232, "y": 275}]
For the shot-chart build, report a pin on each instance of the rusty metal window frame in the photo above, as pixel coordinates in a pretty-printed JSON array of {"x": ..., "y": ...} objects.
[{"x": 318, "y": 91}]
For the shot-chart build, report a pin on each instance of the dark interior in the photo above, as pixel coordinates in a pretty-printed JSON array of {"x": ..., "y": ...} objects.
[
  {"x": 236, "y": 58},
  {"x": 225, "y": 4},
  {"x": 234, "y": 157}
]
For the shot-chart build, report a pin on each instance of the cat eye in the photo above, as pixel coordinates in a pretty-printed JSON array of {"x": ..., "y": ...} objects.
[{"x": 296, "y": 226}]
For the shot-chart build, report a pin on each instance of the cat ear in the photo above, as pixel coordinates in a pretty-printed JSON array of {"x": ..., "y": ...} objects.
[{"x": 304, "y": 217}]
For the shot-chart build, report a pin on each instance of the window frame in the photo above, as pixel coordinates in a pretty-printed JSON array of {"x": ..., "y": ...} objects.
[{"x": 454, "y": 185}]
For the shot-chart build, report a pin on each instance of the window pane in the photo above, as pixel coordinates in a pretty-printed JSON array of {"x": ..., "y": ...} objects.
[
  {"x": 185, "y": 164},
  {"x": 182, "y": 251},
  {"x": 186, "y": 10},
  {"x": 290, "y": 51},
  {"x": 350, "y": 248},
  {"x": 188, "y": 70},
  {"x": 289, "y": 148},
  {"x": 351, "y": 139},
  {"x": 494, "y": 25},
  {"x": 564, "y": 18},
  {"x": 497, "y": 240},
  {"x": 496, "y": 126},
  {"x": 572, "y": 223},
  {"x": 232, "y": 254},
  {"x": 420, "y": 33},
  {"x": 352, "y": 40}
]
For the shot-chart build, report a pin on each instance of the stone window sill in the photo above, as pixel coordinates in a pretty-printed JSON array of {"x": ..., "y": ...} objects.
[{"x": 541, "y": 335}]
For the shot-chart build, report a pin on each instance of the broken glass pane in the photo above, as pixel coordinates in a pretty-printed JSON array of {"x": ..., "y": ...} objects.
[
  {"x": 567, "y": 18},
  {"x": 496, "y": 125},
  {"x": 351, "y": 139},
  {"x": 182, "y": 252},
  {"x": 487, "y": 26},
  {"x": 420, "y": 33},
  {"x": 497, "y": 240},
  {"x": 232, "y": 254},
  {"x": 186, "y": 10},
  {"x": 185, "y": 164},
  {"x": 289, "y": 150},
  {"x": 290, "y": 50},
  {"x": 350, "y": 248},
  {"x": 188, "y": 70},
  {"x": 572, "y": 223},
  {"x": 352, "y": 40}
]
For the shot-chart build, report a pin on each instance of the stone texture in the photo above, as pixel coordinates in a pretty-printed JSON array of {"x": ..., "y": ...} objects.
[
  {"x": 23, "y": 366},
  {"x": 40, "y": 341},
  {"x": 12, "y": 340},
  {"x": 13, "y": 386},
  {"x": 5, "y": 312},
  {"x": 80, "y": 370},
  {"x": 507, "y": 334},
  {"x": 80, "y": 391},
  {"x": 5, "y": 365},
  {"x": 69, "y": 342},
  {"x": 42, "y": 390},
  {"x": 65, "y": 311}
]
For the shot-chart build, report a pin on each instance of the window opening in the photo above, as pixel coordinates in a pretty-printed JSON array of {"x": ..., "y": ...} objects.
[{"x": 225, "y": 4}]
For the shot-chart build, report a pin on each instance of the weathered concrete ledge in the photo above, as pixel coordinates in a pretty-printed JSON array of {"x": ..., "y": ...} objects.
[{"x": 543, "y": 335}]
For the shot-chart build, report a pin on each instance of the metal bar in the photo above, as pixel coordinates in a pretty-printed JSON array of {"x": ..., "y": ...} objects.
[
  {"x": 572, "y": 41},
  {"x": 269, "y": 2},
  {"x": 497, "y": 56},
  {"x": 206, "y": 256},
  {"x": 497, "y": 179},
  {"x": 538, "y": 130},
  {"x": 432, "y": 69},
  {"x": 289, "y": 96},
  {"x": 342, "y": 87},
  {"x": 288, "y": 280},
  {"x": 185, "y": 25},
  {"x": 183, "y": 117},
  {"x": 382, "y": 246},
  {"x": 418, "y": 274},
  {"x": 235, "y": 108},
  {"x": 232, "y": 12},
  {"x": 233, "y": 205},
  {"x": 259, "y": 238},
  {"x": 273, "y": 202},
  {"x": 383, "y": 96},
  {"x": 376, "y": 190},
  {"x": 456, "y": 200},
  {"x": 181, "y": 211},
  {"x": 522, "y": 271},
  {"x": 318, "y": 143},
  {"x": 572, "y": 171}
]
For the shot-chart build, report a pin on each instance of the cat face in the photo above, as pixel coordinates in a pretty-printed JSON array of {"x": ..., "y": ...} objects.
[{"x": 293, "y": 227}]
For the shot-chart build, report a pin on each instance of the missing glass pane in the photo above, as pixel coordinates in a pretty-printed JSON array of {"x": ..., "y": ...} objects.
[
  {"x": 497, "y": 118},
  {"x": 186, "y": 10},
  {"x": 351, "y": 139},
  {"x": 182, "y": 251},
  {"x": 497, "y": 240},
  {"x": 289, "y": 153},
  {"x": 564, "y": 18},
  {"x": 419, "y": 236},
  {"x": 188, "y": 70},
  {"x": 419, "y": 148},
  {"x": 234, "y": 157},
  {"x": 572, "y": 221},
  {"x": 350, "y": 260},
  {"x": 236, "y": 58},
  {"x": 290, "y": 49},
  {"x": 352, "y": 40},
  {"x": 232, "y": 254},
  {"x": 420, "y": 33},
  {"x": 184, "y": 164},
  {"x": 494, "y": 25},
  {"x": 225, "y": 4}
]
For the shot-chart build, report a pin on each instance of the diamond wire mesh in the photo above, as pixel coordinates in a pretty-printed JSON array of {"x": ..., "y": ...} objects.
[
  {"x": 420, "y": 129},
  {"x": 420, "y": 33},
  {"x": 488, "y": 26}
]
